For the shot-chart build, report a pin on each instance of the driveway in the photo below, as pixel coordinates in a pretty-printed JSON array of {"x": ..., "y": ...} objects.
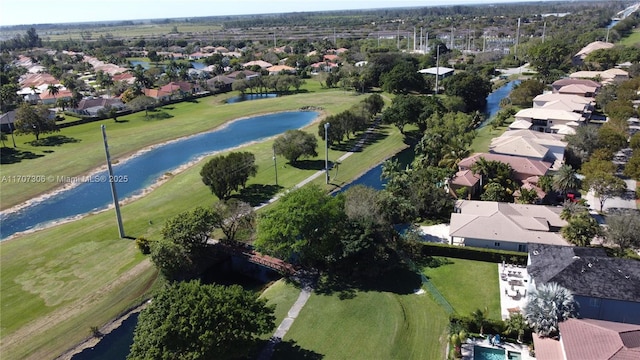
[{"x": 627, "y": 201}]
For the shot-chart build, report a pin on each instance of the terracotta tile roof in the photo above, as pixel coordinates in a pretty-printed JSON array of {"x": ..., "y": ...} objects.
[
  {"x": 279, "y": 68},
  {"x": 465, "y": 178},
  {"x": 519, "y": 164},
  {"x": 597, "y": 339},
  {"x": 547, "y": 348}
]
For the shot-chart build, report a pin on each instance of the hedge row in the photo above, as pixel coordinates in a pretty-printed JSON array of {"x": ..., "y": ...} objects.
[{"x": 471, "y": 253}]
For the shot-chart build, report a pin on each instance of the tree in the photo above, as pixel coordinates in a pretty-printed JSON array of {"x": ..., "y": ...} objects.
[
  {"x": 191, "y": 229},
  {"x": 516, "y": 323},
  {"x": 302, "y": 227},
  {"x": 571, "y": 209},
  {"x": 295, "y": 143},
  {"x": 404, "y": 110},
  {"x": 402, "y": 79},
  {"x": 549, "y": 59},
  {"x": 611, "y": 139},
  {"x": 632, "y": 167},
  {"x": 190, "y": 320},
  {"x": 142, "y": 102},
  {"x": 547, "y": 306},
  {"x": 224, "y": 174},
  {"x": 495, "y": 192},
  {"x": 234, "y": 216},
  {"x": 523, "y": 94},
  {"x": 34, "y": 120},
  {"x": 581, "y": 230},
  {"x": 565, "y": 180},
  {"x": 53, "y": 90},
  {"x": 584, "y": 142},
  {"x": 472, "y": 88},
  {"x": 528, "y": 196},
  {"x": 623, "y": 229},
  {"x": 600, "y": 178},
  {"x": 479, "y": 318}
]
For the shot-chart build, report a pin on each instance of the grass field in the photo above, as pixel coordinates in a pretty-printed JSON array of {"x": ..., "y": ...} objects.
[
  {"x": 127, "y": 31},
  {"x": 368, "y": 324},
  {"x": 483, "y": 138},
  {"x": 467, "y": 285},
  {"x": 79, "y": 148},
  {"x": 631, "y": 40},
  {"x": 58, "y": 282}
]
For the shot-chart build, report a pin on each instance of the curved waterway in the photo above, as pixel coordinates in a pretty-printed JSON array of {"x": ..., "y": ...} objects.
[
  {"x": 139, "y": 172},
  {"x": 493, "y": 100}
]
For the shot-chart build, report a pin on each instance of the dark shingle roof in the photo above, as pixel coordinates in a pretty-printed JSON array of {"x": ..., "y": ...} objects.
[{"x": 586, "y": 271}]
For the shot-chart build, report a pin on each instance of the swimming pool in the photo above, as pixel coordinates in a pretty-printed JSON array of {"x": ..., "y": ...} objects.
[{"x": 483, "y": 353}]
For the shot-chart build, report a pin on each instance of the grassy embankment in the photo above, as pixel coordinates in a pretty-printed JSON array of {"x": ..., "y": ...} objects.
[
  {"x": 128, "y": 31},
  {"x": 58, "y": 282},
  {"x": 631, "y": 40},
  {"x": 79, "y": 148}
]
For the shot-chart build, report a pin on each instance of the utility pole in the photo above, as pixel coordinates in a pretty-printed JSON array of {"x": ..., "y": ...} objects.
[
  {"x": 275, "y": 164},
  {"x": 421, "y": 48},
  {"x": 414, "y": 39},
  {"x": 451, "y": 38},
  {"x": 398, "y": 36},
  {"x": 437, "y": 66},
  {"x": 544, "y": 30},
  {"x": 326, "y": 150},
  {"x": 517, "y": 40},
  {"x": 114, "y": 193}
]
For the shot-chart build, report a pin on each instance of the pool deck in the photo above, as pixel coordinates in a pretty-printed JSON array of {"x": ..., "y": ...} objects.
[
  {"x": 514, "y": 284},
  {"x": 467, "y": 348}
]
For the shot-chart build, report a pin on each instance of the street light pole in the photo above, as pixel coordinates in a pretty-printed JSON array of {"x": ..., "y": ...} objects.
[
  {"x": 326, "y": 150},
  {"x": 114, "y": 193}
]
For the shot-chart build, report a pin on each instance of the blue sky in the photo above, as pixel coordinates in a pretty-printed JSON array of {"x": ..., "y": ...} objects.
[{"x": 16, "y": 12}]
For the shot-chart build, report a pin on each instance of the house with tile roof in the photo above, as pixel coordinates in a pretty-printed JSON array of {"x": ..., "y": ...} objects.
[
  {"x": 578, "y": 58},
  {"x": 505, "y": 226},
  {"x": 531, "y": 144},
  {"x": 606, "y": 77},
  {"x": 558, "y": 84},
  {"x": 605, "y": 288},
  {"x": 577, "y": 104},
  {"x": 523, "y": 169},
  {"x": 549, "y": 120},
  {"x": 275, "y": 70},
  {"x": 582, "y": 339},
  {"x": 262, "y": 64}
]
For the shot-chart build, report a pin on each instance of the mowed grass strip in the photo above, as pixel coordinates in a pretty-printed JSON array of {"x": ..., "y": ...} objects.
[
  {"x": 53, "y": 271},
  {"x": 371, "y": 325},
  {"x": 84, "y": 151},
  {"x": 282, "y": 295},
  {"x": 467, "y": 285}
]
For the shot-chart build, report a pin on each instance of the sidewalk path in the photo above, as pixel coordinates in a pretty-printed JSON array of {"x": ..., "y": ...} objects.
[{"x": 319, "y": 173}]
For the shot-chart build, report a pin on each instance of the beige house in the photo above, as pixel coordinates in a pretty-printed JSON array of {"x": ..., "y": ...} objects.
[
  {"x": 606, "y": 77},
  {"x": 578, "y": 58},
  {"x": 580, "y": 104},
  {"x": 530, "y": 144},
  {"x": 558, "y": 84},
  {"x": 550, "y": 120},
  {"x": 505, "y": 226},
  {"x": 274, "y": 70}
]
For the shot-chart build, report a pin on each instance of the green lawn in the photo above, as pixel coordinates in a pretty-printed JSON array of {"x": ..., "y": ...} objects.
[
  {"x": 483, "y": 138},
  {"x": 282, "y": 295},
  {"x": 631, "y": 40},
  {"x": 467, "y": 285},
  {"x": 79, "y": 148},
  {"x": 367, "y": 325},
  {"x": 58, "y": 282}
]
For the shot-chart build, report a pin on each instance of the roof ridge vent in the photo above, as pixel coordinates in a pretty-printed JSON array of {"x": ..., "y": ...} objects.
[{"x": 576, "y": 257}]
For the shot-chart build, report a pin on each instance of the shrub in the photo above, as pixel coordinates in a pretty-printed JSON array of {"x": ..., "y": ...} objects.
[
  {"x": 469, "y": 253},
  {"x": 144, "y": 245}
]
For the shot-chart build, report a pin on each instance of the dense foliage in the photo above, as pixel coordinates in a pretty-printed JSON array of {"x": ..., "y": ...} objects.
[
  {"x": 190, "y": 320},
  {"x": 226, "y": 173}
]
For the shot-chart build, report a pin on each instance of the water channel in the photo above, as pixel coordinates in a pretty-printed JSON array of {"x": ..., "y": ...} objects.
[{"x": 142, "y": 171}]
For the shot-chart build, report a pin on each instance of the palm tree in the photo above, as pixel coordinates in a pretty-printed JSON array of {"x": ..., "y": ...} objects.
[
  {"x": 547, "y": 306},
  {"x": 571, "y": 209},
  {"x": 53, "y": 90},
  {"x": 565, "y": 180},
  {"x": 516, "y": 323},
  {"x": 482, "y": 167},
  {"x": 479, "y": 318}
]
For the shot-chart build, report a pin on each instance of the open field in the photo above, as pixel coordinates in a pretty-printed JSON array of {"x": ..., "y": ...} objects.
[
  {"x": 467, "y": 285},
  {"x": 58, "y": 279},
  {"x": 128, "y": 31},
  {"x": 371, "y": 324},
  {"x": 483, "y": 138},
  {"x": 134, "y": 132}
]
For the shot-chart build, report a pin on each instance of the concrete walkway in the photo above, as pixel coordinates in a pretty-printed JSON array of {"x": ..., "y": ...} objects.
[{"x": 319, "y": 173}]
